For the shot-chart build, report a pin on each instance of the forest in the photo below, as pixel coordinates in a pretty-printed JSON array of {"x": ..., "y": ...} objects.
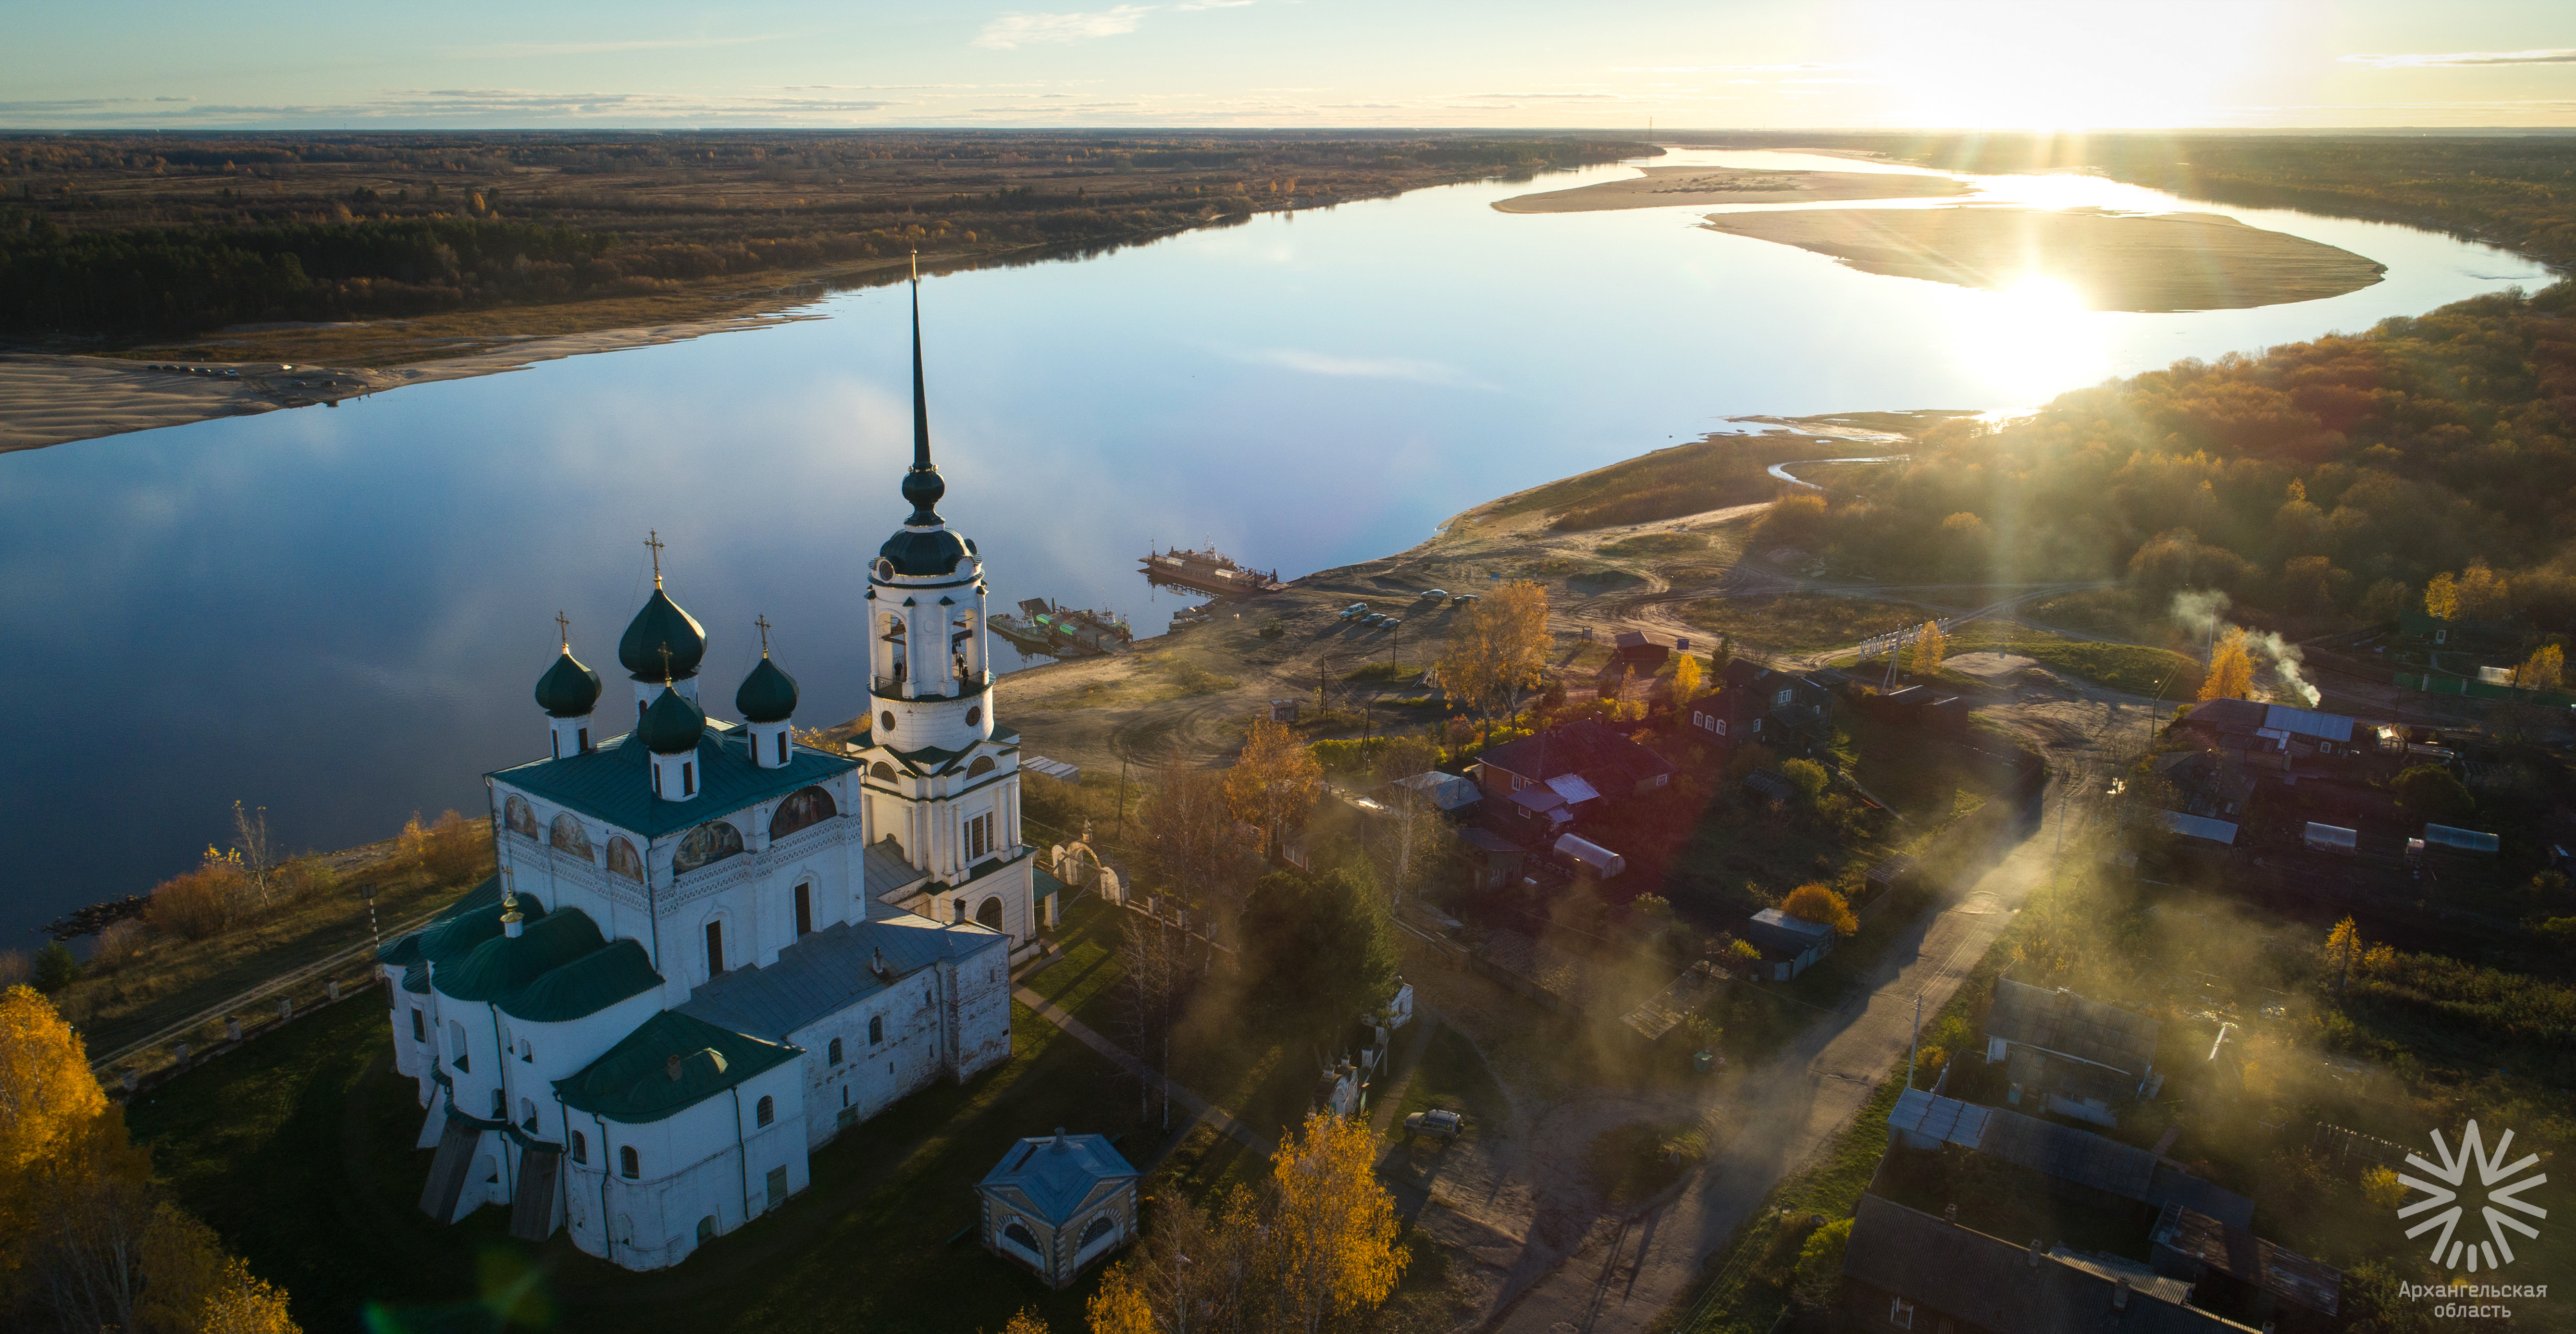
[
  {"x": 107, "y": 237},
  {"x": 2333, "y": 479}
]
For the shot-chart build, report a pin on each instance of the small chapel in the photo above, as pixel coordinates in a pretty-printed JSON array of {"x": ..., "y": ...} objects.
[{"x": 711, "y": 947}]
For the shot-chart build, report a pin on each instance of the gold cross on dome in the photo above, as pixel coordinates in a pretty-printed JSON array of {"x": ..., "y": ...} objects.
[
  {"x": 666, "y": 666},
  {"x": 654, "y": 540},
  {"x": 563, "y": 624},
  {"x": 762, "y": 621}
]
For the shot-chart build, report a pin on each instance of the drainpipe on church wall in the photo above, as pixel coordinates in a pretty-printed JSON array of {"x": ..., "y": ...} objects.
[
  {"x": 741, "y": 1154},
  {"x": 607, "y": 1216}
]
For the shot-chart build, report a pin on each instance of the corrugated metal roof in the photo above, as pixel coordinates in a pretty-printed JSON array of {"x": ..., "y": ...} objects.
[
  {"x": 830, "y": 970},
  {"x": 613, "y": 783},
  {"x": 2250, "y": 1259},
  {"x": 2068, "y": 1154},
  {"x": 2467, "y": 840},
  {"x": 2064, "y": 1022},
  {"x": 1446, "y": 791},
  {"x": 1572, "y": 788},
  {"x": 2309, "y": 722},
  {"x": 1992, "y": 1284},
  {"x": 1780, "y": 921},
  {"x": 1931, "y": 1115},
  {"x": 1053, "y": 1175},
  {"x": 2197, "y": 826}
]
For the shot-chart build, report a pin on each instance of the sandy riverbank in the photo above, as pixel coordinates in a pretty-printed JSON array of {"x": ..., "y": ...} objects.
[
  {"x": 1666, "y": 187},
  {"x": 2112, "y": 261},
  {"x": 50, "y": 400}
]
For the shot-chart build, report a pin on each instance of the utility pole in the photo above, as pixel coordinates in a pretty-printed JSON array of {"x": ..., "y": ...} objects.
[
  {"x": 1122, "y": 792},
  {"x": 1915, "y": 1042}
]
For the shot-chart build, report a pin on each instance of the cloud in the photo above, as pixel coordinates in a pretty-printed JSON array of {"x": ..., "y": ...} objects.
[
  {"x": 1007, "y": 31},
  {"x": 2557, "y": 56},
  {"x": 1362, "y": 368}
]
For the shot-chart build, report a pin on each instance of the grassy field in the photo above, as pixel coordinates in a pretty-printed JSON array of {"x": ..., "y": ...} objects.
[
  {"x": 1802, "y": 622},
  {"x": 298, "y": 1150},
  {"x": 172, "y": 979},
  {"x": 1451, "y": 1075},
  {"x": 2134, "y": 668}
]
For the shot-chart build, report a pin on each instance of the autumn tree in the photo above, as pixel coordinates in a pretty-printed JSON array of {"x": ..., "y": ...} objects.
[
  {"x": 1497, "y": 650},
  {"x": 2442, "y": 597},
  {"x": 1818, "y": 903},
  {"x": 2345, "y": 951},
  {"x": 1719, "y": 657},
  {"x": 1686, "y": 680},
  {"x": 2430, "y": 792},
  {"x": 1273, "y": 785},
  {"x": 1931, "y": 649},
  {"x": 2231, "y": 668},
  {"x": 2545, "y": 669},
  {"x": 1028, "y": 1321},
  {"x": 1153, "y": 951},
  {"x": 2484, "y": 595},
  {"x": 1333, "y": 1228}
]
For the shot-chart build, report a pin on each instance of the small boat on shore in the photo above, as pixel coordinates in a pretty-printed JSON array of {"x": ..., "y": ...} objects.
[{"x": 1208, "y": 571}]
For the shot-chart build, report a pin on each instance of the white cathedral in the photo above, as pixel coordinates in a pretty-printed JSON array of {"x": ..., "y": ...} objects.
[{"x": 710, "y": 948}]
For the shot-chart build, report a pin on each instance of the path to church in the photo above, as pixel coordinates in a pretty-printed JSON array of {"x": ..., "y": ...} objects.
[
  {"x": 1626, "y": 1274},
  {"x": 1200, "y": 1107}
]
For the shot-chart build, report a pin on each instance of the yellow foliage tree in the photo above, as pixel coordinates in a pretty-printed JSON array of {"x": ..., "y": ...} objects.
[
  {"x": 1496, "y": 650},
  {"x": 1817, "y": 902},
  {"x": 1686, "y": 679},
  {"x": 1931, "y": 649},
  {"x": 1275, "y": 782},
  {"x": 2344, "y": 950},
  {"x": 1028, "y": 1321},
  {"x": 2382, "y": 1189},
  {"x": 2484, "y": 595},
  {"x": 248, "y": 1305},
  {"x": 46, "y": 1096},
  {"x": 1119, "y": 1306},
  {"x": 2231, "y": 668},
  {"x": 2442, "y": 597},
  {"x": 2545, "y": 669},
  {"x": 1332, "y": 1234}
]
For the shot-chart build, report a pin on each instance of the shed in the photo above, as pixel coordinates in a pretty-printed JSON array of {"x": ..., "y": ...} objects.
[
  {"x": 1769, "y": 783},
  {"x": 1056, "y": 1204},
  {"x": 1599, "y": 860},
  {"x": 1640, "y": 649},
  {"x": 2245, "y": 1276},
  {"x": 1493, "y": 860},
  {"x": 1447, "y": 793},
  {"x": 2463, "y": 840},
  {"x": 1790, "y": 945},
  {"x": 2330, "y": 838}
]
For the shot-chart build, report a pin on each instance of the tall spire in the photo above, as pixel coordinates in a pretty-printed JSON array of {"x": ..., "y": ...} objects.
[{"x": 922, "y": 486}]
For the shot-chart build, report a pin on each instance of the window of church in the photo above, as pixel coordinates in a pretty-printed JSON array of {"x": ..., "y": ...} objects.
[
  {"x": 500, "y": 1106},
  {"x": 527, "y": 1114},
  {"x": 834, "y": 1056},
  {"x": 782, "y": 746},
  {"x": 876, "y": 1029},
  {"x": 628, "y": 1165},
  {"x": 706, "y": 1229},
  {"x": 983, "y": 765},
  {"x": 974, "y": 713},
  {"x": 764, "y": 1111},
  {"x": 804, "y": 910},
  {"x": 580, "y": 1148},
  {"x": 688, "y": 778},
  {"x": 715, "y": 948},
  {"x": 456, "y": 1045},
  {"x": 419, "y": 1030},
  {"x": 527, "y": 1054},
  {"x": 886, "y": 717}
]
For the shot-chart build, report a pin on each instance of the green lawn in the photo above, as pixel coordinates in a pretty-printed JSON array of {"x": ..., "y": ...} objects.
[
  {"x": 297, "y": 1148},
  {"x": 1451, "y": 1075}
]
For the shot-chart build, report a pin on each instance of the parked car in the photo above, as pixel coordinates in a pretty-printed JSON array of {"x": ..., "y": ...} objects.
[
  {"x": 1439, "y": 1122},
  {"x": 1462, "y": 599},
  {"x": 1394, "y": 621},
  {"x": 1355, "y": 609},
  {"x": 1374, "y": 620},
  {"x": 1434, "y": 595}
]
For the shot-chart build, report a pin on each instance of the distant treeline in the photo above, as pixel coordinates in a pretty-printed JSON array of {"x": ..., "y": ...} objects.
[{"x": 129, "y": 235}]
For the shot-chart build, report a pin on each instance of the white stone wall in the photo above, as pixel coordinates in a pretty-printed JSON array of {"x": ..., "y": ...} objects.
[
  {"x": 691, "y": 1169},
  {"x": 979, "y": 1011},
  {"x": 872, "y": 1076}
]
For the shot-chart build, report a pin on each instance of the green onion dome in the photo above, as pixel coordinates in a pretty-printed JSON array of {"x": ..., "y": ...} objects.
[
  {"x": 662, "y": 625},
  {"x": 768, "y": 695},
  {"x": 672, "y": 726},
  {"x": 920, "y": 553},
  {"x": 568, "y": 689}
]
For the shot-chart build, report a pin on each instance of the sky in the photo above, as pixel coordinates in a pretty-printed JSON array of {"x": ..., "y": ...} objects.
[{"x": 1609, "y": 65}]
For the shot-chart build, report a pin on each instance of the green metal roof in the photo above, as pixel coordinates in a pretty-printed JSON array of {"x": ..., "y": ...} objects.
[
  {"x": 406, "y": 951},
  {"x": 660, "y": 625},
  {"x": 612, "y": 784},
  {"x": 672, "y": 725},
  {"x": 504, "y": 964},
  {"x": 634, "y": 1081},
  {"x": 568, "y": 689},
  {"x": 585, "y": 986},
  {"x": 768, "y": 695},
  {"x": 447, "y": 943}
]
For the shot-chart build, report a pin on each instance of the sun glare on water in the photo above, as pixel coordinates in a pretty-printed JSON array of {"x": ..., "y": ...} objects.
[{"x": 2032, "y": 340}]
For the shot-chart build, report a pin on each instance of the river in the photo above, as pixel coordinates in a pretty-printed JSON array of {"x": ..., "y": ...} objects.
[{"x": 339, "y": 614}]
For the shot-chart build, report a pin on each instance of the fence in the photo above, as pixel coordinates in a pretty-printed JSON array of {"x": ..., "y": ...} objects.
[
  {"x": 2463, "y": 686},
  {"x": 248, "y": 1017}
]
